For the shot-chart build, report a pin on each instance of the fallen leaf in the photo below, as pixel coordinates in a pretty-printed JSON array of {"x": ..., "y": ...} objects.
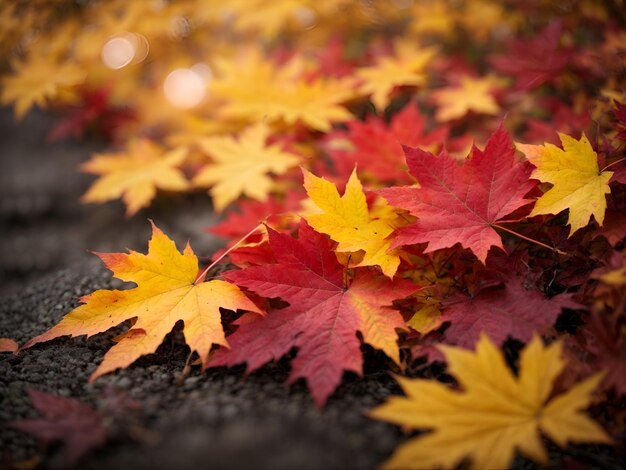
[
  {"x": 497, "y": 412},
  {"x": 578, "y": 184},
  {"x": 323, "y": 316},
  {"x": 256, "y": 90},
  {"x": 537, "y": 60},
  {"x": 606, "y": 341},
  {"x": 135, "y": 175},
  {"x": 38, "y": 79},
  {"x": 375, "y": 147},
  {"x": 473, "y": 94},
  {"x": 348, "y": 221},
  {"x": 167, "y": 291},
  {"x": 511, "y": 311},
  {"x": 242, "y": 166},
  {"x": 461, "y": 203},
  {"x": 407, "y": 68},
  {"x": 8, "y": 345},
  {"x": 71, "y": 422}
]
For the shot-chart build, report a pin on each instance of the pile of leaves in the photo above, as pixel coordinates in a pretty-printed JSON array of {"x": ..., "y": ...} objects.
[{"x": 443, "y": 181}]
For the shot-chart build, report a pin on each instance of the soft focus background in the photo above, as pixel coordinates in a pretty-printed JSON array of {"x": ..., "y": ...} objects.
[{"x": 113, "y": 113}]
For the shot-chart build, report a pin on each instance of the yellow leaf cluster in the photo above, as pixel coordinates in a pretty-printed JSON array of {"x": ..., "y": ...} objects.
[
  {"x": 495, "y": 414},
  {"x": 444, "y": 18},
  {"x": 253, "y": 89}
]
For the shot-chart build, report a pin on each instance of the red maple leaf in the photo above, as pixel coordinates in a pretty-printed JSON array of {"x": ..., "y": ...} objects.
[
  {"x": 620, "y": 120},
  {"x": 323, "y": 316},
  {"x": 614, "y": 227},
  {"x": 535, "y": 61},
  {"x": 75, "y": 424},
  {"x": 461, "y": 203},
  {"x": 606, "y": 341},
  {"x": 94, "y": 112},
  {"x": 377, "y": 147},
  {"x": 512, "y": 310},
  {"x": 247, "y": 215},
  {"x": 250, "y": 213}
]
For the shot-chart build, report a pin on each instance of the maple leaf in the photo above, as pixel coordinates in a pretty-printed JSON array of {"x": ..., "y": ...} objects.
[
  {"x": 167, "y": 291},
  {"x": 36, "y": 80},
  {"x": 347, "y": 220},
  {"x": 535, "y": 61},
  {"x": 606, "y": 341},
  {"x": 323, "y": 316},
  {"x": 246, "y": 215},
  {"x": 76, "y": 425},
  {"x": 513, "y": 311},
  {"x": 432, "y": 18},
  {"x": 497, "y": 412},
  {"x": 473, "y": 94},
  {"x": 578, "y": 184},
  {"x": 461, "y": 203},
  {"x": 241, "y": 166},
  {"x": 408, "y": 68},
  {"x": 376, "y": 148},
  {"x": 135, "y": 175},
  {"x": 254, "y": 89},
  {"x": 267, "y": 19},
  {"x": 482, "y": 17},
  {"x": 620, "y": 120},
  {"x": 94, "y": 111}
]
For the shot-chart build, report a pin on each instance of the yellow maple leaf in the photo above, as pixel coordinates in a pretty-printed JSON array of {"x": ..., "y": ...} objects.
[
  {"x": 407, "y": 68},
  {"x": 497, "y": 412},
  {"x": 578, "y": 183},
  {"x": 482, "y": 17},
  {"x": 135, "y": 175},
  {"x": 427, "y": 318},
  {"x": 255, "y": 90},
  {"x": 242, "y": 166},
  {"x": 472, "y": 95},
  {"x": 167, "y": 291},
  {"x": 38, "y": 79},
  {"x": 347, "y": 220},
  {"x": 433, "y": 18},
  {"x": 266, "y": 18}
]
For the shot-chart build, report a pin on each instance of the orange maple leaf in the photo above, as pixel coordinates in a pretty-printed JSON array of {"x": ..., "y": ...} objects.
[{"x": 167, "y": 291}]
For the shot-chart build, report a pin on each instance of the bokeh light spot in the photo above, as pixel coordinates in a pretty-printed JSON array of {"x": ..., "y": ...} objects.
[
  {"x": 185, "y": 88},
  {"x": 124, "y": 49},
  {"x": 118, "y": 52}
]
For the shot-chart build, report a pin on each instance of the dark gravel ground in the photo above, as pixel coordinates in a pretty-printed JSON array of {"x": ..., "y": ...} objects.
[{"x": 218, "y": 420}]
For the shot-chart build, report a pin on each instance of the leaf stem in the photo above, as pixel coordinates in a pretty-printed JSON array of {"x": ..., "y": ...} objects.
[
  {"x": 345, "y": 273},
  {"x": 611, "y": 164},
  {"x": 511, "y": 221},
  {"x": 203, "y": 274},
  {"x": 532, "y": 240}
]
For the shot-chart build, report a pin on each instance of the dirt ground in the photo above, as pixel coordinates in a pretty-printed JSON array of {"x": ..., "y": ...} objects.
[{"x": 221, "y": 419}]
